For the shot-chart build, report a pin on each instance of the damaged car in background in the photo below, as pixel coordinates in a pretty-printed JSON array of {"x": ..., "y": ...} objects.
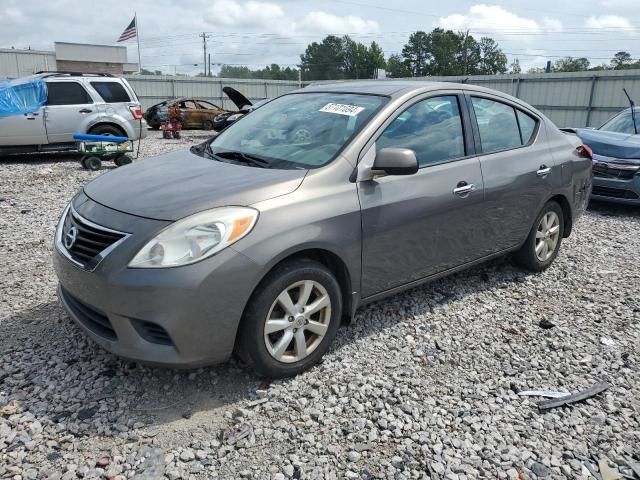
[
  {"x": 616, "y": 156},
  {"x": 199, "y": 113},
  {"x": 193, "y": 113}
]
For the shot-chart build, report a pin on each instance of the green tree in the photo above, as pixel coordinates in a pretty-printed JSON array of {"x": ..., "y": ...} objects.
[
  {"x": 621, "y": 61},
  {"x": 376, "y": 56},
  {"x": 396, "y": 67},
  {"x": 536, "y": 70},
  {"x": 234, "y": 71},
  {"x": 356, "y": 59},
  {"x": 324, "y": 60},
  {"x": 447, "y": 56},
  {"x": 571, "y": 64},
  {"x": 493, "y": 60},
  {"x": 416, "y": 54}
]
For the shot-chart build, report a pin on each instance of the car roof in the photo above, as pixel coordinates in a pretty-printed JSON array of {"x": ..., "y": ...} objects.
[
  {"x": 373, "y": 87},
  {"x": 398, "y": 88}
]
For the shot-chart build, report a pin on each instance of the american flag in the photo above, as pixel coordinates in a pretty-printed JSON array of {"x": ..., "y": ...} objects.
[{"x": 129, "y": 32}]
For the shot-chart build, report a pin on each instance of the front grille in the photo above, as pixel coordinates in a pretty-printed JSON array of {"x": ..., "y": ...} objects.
[
  {"x": 605, "y": 170},
  {"x": 152, "y": 332},
  {"x": 91, "y": 318},
  {"x": 614, "y": 192},
  {"x": 85, "y": 241}
]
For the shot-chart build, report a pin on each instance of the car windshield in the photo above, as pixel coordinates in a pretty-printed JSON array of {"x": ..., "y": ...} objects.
[
  {"x": 622, "y": 123},
  {"x": 304, "y": 130}
]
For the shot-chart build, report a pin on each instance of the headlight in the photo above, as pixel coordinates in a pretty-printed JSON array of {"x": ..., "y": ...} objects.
[
  {"x": 196, "y": 237},
  {"x": 235, "y": 117}
]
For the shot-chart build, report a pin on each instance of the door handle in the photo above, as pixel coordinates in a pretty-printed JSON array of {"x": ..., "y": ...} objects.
[
  {"x": 543, "y": 171},
  {"x": 85, "y": 110},
  {"x": 463, "y": 189}
]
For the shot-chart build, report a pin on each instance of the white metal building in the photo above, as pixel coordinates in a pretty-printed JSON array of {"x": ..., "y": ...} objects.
[{"x": 76, "y": 57}]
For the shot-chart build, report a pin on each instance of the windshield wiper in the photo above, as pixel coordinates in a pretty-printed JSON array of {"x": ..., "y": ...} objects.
[{"x": 254, "y": 160}]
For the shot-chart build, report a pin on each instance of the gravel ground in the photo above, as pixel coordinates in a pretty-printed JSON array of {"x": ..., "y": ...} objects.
[{"x": 420, "y": 385}]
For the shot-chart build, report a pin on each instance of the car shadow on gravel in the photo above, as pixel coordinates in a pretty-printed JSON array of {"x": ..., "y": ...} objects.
[
  {"x": 611, "y": 209},
  {"x": 60, "y": 375}
]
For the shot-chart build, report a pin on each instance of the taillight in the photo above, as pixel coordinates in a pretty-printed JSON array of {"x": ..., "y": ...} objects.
[
  {"x": 136, "y": 112},
  {"x": 585, "y": 151}
]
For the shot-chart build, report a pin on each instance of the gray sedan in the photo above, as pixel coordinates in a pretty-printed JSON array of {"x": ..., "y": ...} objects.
[{"x": 265, "y": 239}]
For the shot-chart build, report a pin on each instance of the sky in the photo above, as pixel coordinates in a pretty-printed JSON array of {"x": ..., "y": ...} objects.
[{"x": 256, "y": 32}]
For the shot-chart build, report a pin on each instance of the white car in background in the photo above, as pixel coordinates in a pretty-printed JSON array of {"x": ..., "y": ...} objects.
[{"x": 94, "y": 103}]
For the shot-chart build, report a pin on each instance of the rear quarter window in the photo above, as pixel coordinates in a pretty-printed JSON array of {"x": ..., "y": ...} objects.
[
  {"x": 527, "y": 126},
  {"x": 111, "y": 92}
]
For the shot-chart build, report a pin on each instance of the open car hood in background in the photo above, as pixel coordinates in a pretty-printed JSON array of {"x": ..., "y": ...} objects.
[{"x": 237, "y": 98}]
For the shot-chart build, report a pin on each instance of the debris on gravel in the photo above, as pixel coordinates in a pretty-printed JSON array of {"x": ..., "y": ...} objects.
[{"x": 421, "y": 385}]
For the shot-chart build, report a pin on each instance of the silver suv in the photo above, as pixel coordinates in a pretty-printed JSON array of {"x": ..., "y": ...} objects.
[{"x": 89, "y": 103}]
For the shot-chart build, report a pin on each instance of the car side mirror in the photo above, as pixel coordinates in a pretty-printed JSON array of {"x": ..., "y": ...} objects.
[{"x": 395, "y": 161}]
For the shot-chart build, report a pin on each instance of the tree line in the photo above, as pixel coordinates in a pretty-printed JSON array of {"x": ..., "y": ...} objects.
[
  {"x": 620, "y": 61},
  {"x": 439, "y": 52}
]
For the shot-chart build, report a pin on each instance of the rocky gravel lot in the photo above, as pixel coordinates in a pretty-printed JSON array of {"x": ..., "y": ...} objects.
[{"x": 421, "y": 385}]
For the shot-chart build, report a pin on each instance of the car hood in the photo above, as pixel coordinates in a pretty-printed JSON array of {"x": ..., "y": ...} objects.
[
  {"x": 178, "y": 184},
  {"x": 237, "y": 98},
  {"x": 611, "y": 144}
]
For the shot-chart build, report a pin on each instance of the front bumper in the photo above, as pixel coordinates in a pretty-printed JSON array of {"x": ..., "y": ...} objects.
[
  {"x": 617, "y": 190},
  {"x": 182, "y": 317}
]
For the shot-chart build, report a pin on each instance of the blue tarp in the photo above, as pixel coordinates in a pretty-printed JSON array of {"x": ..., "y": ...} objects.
[{"x": 22, "y": 95}]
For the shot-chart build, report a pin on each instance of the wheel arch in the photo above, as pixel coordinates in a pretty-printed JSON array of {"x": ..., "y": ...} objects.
[
  {"x": 567, "y": 214},
  {"x": 329, "y": 259},
  {"x": 108, "y": 124}
]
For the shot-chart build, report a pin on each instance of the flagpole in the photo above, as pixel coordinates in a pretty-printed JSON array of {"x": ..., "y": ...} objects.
[{"x": 135, "y": 15}]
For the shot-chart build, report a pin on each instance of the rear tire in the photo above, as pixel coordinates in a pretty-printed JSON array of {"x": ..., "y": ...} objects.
[
  {"x": 122, "y": 160},
  {"x": 108, "y": 130},
  {"x": 544, "y": 240},
  {"x": 92, "y": 163},
  {"x": 304, "y": 337},
  {"x": 207, "y": 125}
]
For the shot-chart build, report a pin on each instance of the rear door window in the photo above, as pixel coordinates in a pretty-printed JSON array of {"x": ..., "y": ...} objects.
[
  {"x": 432, "y": 128},
  {"x": 208, "y": 106},
  {"x": 497, "y": 124},
  {"x": 111, "y": 92},
  {"x": 67, "y": 93}
]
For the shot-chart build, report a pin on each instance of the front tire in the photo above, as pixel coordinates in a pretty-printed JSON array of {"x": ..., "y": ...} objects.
[
  {"x": 543, "y": 243},
  {"x": 291, "y": 319}
]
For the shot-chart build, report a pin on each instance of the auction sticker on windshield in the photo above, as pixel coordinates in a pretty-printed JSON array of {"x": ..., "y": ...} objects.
[{"x": 342, "y": 109}]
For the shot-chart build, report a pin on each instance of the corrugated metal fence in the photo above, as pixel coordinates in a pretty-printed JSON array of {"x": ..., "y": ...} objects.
[
  {"x": 576, "y": 99},
  {"x": 570, "y": 99},
  {"x": 154, "y": 89}
]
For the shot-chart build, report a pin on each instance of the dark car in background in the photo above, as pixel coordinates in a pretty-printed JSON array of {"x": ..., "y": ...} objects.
[
  {"x": 264, "y": 239},
  {"x": 616, "y": 157}
]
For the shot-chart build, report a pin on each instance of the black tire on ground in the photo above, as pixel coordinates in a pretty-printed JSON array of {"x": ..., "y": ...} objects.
[
  {"x": 526, "y": 257},
  {"x": 250, "y": 345},
  {"x": 82, "y": 161},
  {"x": 166, "y": 134},
  {"x": 107, "y": 130},
  {"x": 92, "y": 163},
  {"x": 207, "y": 125},
  {"x": 122, "y": 160},
  {"x": 176, "y": 134}
]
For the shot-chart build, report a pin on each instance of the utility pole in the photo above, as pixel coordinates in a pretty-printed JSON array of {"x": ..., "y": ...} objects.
[
  {"x": 204, "y": 37},
  {"x": 209, "y": 65}
]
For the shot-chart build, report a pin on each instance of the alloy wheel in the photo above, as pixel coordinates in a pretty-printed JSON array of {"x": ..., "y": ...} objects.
[
  {"x": 297, "y": 321},
  {"x": 547, "y": 236}
]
